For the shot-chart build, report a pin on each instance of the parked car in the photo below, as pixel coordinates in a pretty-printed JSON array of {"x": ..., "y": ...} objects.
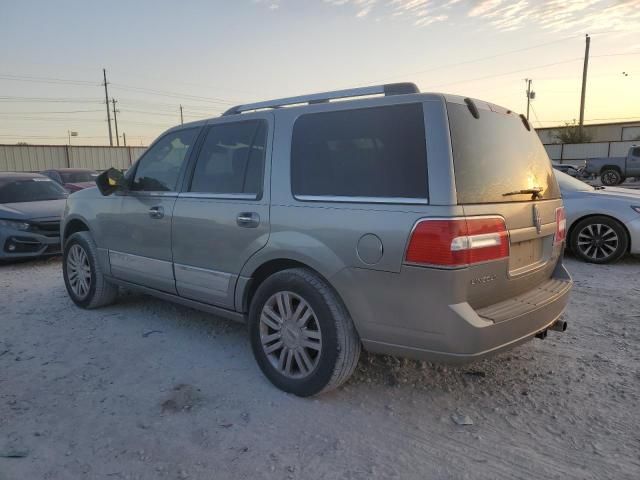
[
  {"x": 568, "y": 169},
  {"x": 603, "y": 223},
  {"x": 73, "y": 179},
  {"x": 614, "y": 170},
  {"x": 329, "y": 226},
  {"x": 30, "y": 209}
]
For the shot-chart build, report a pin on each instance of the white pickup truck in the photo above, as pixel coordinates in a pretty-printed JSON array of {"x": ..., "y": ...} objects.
[{"x": 614, "y": 170}]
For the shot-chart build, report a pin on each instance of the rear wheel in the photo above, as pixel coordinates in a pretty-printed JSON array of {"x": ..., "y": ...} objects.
[
  {"x": 301, "y": 334},
  {"x": 610, "y": 177},
  {"x": 599, "y": 239},
  {"x": 82, "y": 274}
]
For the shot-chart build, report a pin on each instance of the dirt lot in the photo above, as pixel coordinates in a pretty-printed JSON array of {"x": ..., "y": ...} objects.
[{"x": 148, "y": 390}]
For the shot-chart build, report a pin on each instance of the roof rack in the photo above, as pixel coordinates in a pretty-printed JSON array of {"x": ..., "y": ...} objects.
[{"x": 388, "y": 89}]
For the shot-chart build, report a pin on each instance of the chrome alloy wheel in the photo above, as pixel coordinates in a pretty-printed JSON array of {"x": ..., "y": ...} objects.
[
  {"x": 79, "y": 271},
  {"x": 290, "y": 334},
  {"x": 598, "y": 241}
]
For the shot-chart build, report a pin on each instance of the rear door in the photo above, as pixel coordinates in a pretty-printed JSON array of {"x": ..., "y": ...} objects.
[
  {"x": 222, "y": 216},
  {"x": 502, "y": 169}
]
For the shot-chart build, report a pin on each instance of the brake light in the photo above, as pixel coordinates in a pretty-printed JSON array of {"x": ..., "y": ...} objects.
[
  {"x": 561, "y": 226},
  {"x": 458, "y": 242}
]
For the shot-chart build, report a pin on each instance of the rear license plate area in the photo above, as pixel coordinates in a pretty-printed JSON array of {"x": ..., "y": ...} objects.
[{"x": 528, "y": 253}]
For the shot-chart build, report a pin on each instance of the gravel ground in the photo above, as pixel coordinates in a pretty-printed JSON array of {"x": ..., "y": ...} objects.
[{"x": 148, "y": 390}]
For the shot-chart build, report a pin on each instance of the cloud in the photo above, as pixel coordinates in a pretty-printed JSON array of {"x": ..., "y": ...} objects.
[
  {"x": 504, "y": 15},
  {"x": 270, "y": 4},
  {"x": 559, "y": 15}
]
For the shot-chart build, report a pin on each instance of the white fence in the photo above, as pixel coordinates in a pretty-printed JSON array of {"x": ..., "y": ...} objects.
[
  {"x": 578, "y": 152},
  {"x": 35, "y": 158}
]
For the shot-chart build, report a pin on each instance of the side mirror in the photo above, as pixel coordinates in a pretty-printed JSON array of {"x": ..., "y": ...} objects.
[{"x": 109, "y": 181}]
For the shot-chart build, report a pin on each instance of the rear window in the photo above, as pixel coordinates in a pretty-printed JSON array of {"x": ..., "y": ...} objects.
[
  {"x": 495, "y": 156},
  {"x": 372, "y": 152},
  {"x": 34, "y": 189},
  {"x": 78, "y": 177}
]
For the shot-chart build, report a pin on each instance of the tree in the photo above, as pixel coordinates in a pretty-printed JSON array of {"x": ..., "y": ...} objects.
[{"x": 571, "y": 133}]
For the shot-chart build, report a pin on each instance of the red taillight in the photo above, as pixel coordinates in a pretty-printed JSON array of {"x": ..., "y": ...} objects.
[
  {"x": 561, "y": 226},
  {"x": 458, "y": 242}
]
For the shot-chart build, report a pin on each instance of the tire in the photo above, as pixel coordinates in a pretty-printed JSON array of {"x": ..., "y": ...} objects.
[
  {"x": 607, "y": 240},
  {"x": 328, "y": 328},
  {"x": 80, "y": 249},
  {"x": 611, "y": 177}
]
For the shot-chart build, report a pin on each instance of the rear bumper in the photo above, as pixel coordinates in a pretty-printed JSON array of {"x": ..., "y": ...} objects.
[
  {"x": 23, "y": 244},
  {"x": 456, "y": 333}
]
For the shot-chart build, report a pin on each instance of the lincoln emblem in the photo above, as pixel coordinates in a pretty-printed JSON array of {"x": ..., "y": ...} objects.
[{"x": 537, "y": 220}]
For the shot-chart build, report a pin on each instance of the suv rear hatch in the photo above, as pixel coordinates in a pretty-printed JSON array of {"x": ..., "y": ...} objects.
[{"x": 503, "y": 171}]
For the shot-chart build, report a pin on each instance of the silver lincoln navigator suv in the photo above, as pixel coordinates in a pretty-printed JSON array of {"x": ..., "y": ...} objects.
[{"x": 415, "y": 224}]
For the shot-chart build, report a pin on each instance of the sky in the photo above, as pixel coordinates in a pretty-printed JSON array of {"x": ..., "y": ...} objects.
[{"x": 210, "y": 55}]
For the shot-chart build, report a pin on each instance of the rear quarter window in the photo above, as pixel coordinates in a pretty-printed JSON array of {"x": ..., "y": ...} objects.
[{"x": 377, "y": 152}]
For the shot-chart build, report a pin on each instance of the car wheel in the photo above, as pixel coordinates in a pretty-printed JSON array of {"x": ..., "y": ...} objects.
[
  {"x": 599, "y": 239},
  {"x": 611, "y": 177},
  {"x": 83, "y": 277},
  {"x": 301, "y": 334}
]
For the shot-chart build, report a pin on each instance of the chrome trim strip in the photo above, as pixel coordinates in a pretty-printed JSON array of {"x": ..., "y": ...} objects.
[
  {"x": 132, "y": 193},
  {"x": 219, "y": 196},
  {"x": 332, "y": 198},
  {"x": 202, "y": 279},
  {"x": 144, "y": 265}
]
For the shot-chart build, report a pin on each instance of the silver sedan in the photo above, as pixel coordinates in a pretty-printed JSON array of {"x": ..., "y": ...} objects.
[{"x": 603, "y": 223}]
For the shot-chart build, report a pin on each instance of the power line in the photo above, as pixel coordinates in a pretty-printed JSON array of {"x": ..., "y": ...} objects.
[
  {"x": 48, "y": 99},
  {"x": 535, "y": 67},
  {"x": 164, "y": 93},
  {"x": 48, "y": 112},
  {"x": 473, "y": 60},
  {"x": 54, "y": 81}
]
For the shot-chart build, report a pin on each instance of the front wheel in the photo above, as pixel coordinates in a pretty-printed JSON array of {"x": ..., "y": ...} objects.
[
  {"x": 83, "y": 277},
  {"x": 301, "y": 334},
  {"x": 599, "y": 239}
]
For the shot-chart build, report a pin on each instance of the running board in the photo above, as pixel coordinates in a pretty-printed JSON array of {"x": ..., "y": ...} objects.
[{"x": 205, "y": 307}]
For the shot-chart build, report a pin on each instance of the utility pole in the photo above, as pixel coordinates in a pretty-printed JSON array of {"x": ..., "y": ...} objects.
[
  {"x": 124, "y": 138},
  {"x": 530, "y": 95},
  {"x": 106, "y": 96},
  {"x": 181, "y": 118},
  {"x": 115, "y": 120},
  {"x": 584, "y": 82}
]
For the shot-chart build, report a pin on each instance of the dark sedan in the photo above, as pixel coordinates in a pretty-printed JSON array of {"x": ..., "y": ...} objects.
[
  {"x": 73, "y": 179},
  {"x": 30, "y": 209}
]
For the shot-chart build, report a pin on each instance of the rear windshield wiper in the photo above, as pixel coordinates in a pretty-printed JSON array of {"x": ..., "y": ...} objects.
[{"x": 534, "y": 192}]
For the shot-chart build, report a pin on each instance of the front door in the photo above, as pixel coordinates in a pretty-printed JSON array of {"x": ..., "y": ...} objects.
[
  {"x": 139, "y": 240},
  {"x": 222, "y": 216}
]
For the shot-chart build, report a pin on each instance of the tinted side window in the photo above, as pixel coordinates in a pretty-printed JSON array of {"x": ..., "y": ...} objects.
[
  {"x": 231, "y": 159},
  {"x": 159, "y": 169},
  {"x": 636, "y": 152},
  {"x": 371, "y": 152}
]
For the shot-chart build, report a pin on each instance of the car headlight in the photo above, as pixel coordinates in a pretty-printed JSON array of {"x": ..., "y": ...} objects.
[
  {"x": 635, "y": 208},
  {"x": 18, "y": 225}
]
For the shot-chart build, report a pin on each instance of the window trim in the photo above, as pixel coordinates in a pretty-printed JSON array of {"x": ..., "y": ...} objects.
[
  {"x": 354, "y": 199},
  {"x": 178, "y": 188},
  {"x": 186, "y": 191},
  {"x": 362, "y": 199}
]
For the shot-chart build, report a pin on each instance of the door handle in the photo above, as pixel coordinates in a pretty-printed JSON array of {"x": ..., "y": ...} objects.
[
  {"x": 156, "y": 212},
  {"x": 248, "y": 219}
]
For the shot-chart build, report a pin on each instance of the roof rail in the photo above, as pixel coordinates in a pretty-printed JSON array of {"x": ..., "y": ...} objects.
[{"x": 388, "y": 89}]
